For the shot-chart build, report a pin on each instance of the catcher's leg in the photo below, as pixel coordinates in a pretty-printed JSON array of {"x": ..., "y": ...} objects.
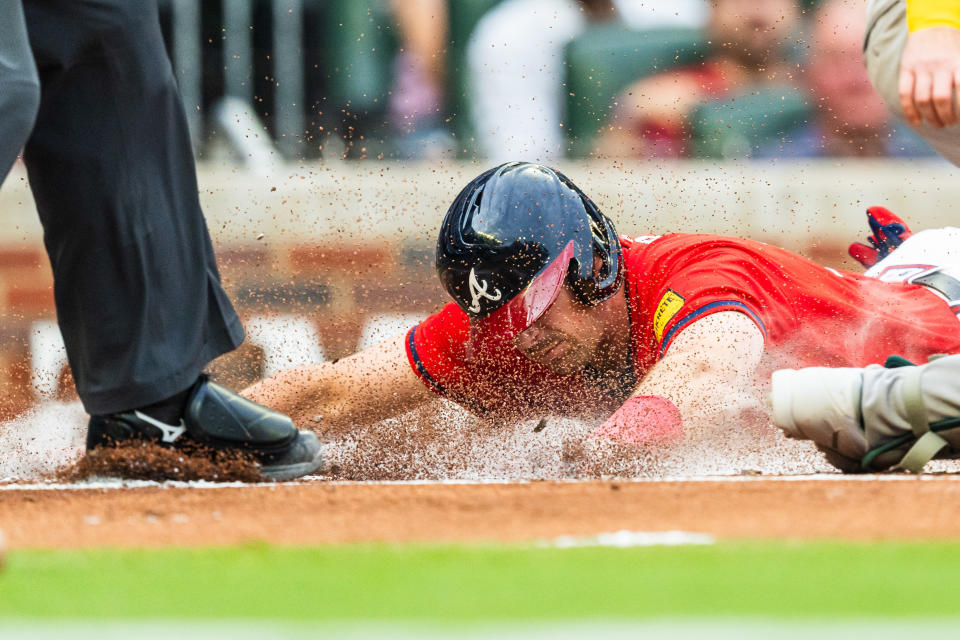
[{"x": 876, "y": 417}]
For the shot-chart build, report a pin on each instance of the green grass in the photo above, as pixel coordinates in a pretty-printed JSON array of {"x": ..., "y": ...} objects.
[{"x": 471, "y": 583}]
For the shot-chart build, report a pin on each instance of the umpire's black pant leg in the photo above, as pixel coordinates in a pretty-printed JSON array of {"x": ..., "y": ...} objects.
[
  {"x": 19, "y": 85},
  {"x": 137, "y": 289}
]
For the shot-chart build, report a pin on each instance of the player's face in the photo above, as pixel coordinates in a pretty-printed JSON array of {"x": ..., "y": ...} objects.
[{"x": 564, "y": 339}]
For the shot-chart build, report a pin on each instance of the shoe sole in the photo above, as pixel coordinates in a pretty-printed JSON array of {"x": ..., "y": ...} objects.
[{"x": 295, "y": 470}]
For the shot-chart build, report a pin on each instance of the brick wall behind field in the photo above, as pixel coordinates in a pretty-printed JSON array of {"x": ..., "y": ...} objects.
[{"x": 298, "y": 303}]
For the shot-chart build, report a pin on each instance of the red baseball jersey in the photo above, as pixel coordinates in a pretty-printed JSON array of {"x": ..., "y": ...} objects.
[{"x": 810, "y": 316}]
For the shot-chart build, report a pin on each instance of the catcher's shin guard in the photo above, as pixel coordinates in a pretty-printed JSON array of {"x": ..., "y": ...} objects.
[
  {"x": 220, "y": 419},
  {"x": 873, "y": 418}
]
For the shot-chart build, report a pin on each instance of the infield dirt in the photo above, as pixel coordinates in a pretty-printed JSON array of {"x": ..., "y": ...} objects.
[{"x": 324, "y": 512}]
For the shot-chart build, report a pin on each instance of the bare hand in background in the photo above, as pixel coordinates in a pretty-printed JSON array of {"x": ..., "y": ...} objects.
[{"x": 929, "y": 73}]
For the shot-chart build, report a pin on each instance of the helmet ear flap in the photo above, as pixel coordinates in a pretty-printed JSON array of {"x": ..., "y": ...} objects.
[
  {"x": 611, "y": 254},
  {"x": 599, "y": 272}
]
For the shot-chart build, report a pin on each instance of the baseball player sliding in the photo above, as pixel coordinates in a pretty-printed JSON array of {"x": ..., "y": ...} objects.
[{"x": 554, "y": 313}]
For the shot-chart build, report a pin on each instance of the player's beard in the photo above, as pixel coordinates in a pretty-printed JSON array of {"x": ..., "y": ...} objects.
[
  {"x": 571, "y": 359},
  {"x": 560, "y": 353}
]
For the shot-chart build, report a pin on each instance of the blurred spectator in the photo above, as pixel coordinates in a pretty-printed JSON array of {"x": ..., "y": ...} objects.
[
  {"x": 751, "y": 46},
  {"x": 515, "y": 61},
  {"x": 850, "y": 117},
  {"x": 416, "y": 106}
]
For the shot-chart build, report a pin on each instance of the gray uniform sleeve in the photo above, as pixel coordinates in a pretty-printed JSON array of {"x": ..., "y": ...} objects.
[{"x": 886, "y": 38}]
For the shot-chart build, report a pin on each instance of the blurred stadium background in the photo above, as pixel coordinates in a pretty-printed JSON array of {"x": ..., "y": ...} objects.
[{"x": 332, "y": 134}]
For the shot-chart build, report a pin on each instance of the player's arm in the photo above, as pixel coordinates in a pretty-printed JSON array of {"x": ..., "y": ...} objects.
[
  {"x": 930, "y": 64},
  {"x": 336, "y": 397},
  {"x": 711, "y": 362},
  {"x": 709, "y": 358}
]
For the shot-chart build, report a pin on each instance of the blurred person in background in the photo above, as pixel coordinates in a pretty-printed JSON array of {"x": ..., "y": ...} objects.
[
  {"x": 750, "y": 47},
  {"x": 850, "y": 118},
  {"x": 912, "y": 53},
  {"x": 416, "y": 110},
  {"x": 516, "y": 67}
]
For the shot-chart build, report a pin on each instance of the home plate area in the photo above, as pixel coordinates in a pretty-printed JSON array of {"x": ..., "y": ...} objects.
[
  {"x": 570, "y": 513},
  {"x": 446, "y": 477}
]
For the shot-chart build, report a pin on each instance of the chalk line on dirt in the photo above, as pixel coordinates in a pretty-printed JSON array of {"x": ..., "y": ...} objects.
[{"x": 113, "y": 484}]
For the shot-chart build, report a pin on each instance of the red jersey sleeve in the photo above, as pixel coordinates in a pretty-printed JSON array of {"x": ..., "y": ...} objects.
[
  {"x": 714, "y": 280},
  {"x": 679, "y": 279},
  {"x": 809, "y": 315},
  {"x": 436, "y": 346}
]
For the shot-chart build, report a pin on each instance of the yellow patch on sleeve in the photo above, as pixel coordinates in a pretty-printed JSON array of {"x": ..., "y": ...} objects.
[{"x": 670, "y": 305}]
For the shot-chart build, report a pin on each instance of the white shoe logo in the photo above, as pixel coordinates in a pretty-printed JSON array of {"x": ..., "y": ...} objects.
[
  {"x": 170, "y": 432},
  {"x": 478, "y": 290}
]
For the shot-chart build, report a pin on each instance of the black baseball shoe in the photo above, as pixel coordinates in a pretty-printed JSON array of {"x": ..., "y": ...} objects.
[{"x": 218, "y": 418}]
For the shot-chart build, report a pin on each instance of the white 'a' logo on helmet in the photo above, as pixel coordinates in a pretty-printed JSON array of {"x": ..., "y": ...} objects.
[{"x": 478, "y": 290}]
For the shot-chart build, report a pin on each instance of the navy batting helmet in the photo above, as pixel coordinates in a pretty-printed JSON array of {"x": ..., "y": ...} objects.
[{"x": 514, "y": 235}]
